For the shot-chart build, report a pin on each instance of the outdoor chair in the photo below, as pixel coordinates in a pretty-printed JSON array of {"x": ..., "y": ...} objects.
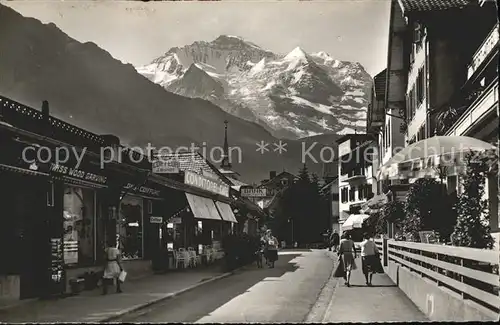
[
  {"x": 181, "y": 257},
  {"x": 192, "y": 256},
  {"x": 208, "y": 253}
]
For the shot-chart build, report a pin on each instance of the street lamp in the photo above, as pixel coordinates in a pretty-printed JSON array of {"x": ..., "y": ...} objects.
[{"x": 291, "y": 221}]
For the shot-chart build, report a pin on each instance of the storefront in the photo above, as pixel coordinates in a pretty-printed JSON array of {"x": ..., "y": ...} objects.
[
  {"x": 24, "y": 219},
  {"x": 77, "y": 190},
  {"x": 202, "y": 218},
  {"x": 51, "y": 214},
  {"x": 140, "y": 215}
]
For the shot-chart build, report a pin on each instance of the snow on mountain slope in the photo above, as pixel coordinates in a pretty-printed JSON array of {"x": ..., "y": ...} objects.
[{"x": 293, "y": 95}]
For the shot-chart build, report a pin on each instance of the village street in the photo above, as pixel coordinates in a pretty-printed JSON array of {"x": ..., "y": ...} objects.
[
  {"x": 285, "y": 293},
  {"x": 299, "y": 289}
]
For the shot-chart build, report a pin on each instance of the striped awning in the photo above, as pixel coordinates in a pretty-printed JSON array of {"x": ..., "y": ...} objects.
[
  {"x": 203, "y": 208},
  {"x": 354, "y": 221},
  {"x": 226, "y": 212}
]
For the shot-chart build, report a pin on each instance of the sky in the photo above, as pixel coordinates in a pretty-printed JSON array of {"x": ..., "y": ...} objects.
[{"x": 137, "y": 32}]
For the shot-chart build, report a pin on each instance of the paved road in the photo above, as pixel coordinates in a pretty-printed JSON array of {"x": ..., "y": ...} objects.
[{"x": 286, "y": 293}]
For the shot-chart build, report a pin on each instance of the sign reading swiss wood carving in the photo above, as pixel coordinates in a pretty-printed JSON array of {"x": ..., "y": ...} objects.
[
  {"x": 205, "y": 183},
  {"x": 78, "y": 173}
]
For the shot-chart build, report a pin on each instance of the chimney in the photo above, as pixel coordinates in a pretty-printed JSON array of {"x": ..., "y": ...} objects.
[
  {"x": 272, "y": 174},
  {"x": 45, "y": 110},
  {"x": 111, "y": 149}
]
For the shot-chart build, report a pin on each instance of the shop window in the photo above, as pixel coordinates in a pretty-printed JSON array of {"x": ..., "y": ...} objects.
[
  {"x": 79, "y": 218},
  {"x": 130, "y": 227}
]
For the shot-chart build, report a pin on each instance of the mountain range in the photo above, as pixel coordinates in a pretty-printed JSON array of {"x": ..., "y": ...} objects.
[
  {"x": 87, "y": 87},
  {"x": 292, "y": 95}
]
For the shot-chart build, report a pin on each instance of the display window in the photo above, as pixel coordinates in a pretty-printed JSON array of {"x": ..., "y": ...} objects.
[
  {"x": 130, "y": 228},
  {"x": 79, "y": 220}
]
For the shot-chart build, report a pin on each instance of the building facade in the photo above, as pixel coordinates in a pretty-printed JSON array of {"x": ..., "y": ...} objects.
[
  {"x": 62, "y": 208},
  {"x": 441, "y": 79},
  {"x": 355, "y": 173}
]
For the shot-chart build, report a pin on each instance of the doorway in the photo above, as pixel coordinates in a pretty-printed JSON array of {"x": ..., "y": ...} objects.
[{"x": 26, "y": 202}]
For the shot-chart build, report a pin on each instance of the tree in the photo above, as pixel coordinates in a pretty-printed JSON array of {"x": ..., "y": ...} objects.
[
  {"x": 391, "y": 212},
  {"x": 301, "y": 207},
  {"x": 472, "y": 227},
  {"x": 304, "y": 175},
  {"x": 315, "y": 182},
  {"x": 428, "y": 207}
]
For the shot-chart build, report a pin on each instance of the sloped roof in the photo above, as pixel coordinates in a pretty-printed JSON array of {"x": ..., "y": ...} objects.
[
  {"x": 379, "y": 84},
  {"x": 432, "y": 5},
  {"x": 236, "y": 182},
  {"x": 195, "y": 162},
  {"x": 191, "y": 161}
]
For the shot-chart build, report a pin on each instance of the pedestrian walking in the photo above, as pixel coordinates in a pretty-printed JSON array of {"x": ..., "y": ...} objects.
[
  {"x": 334, "y": 240},
  {"x": 113, "y": 268},
  {"x": 369, "y": 258},
  {"x": 271, "y": 248},
  {"x": 327, "y": 238},
  {"x": 347, "y": 255}
]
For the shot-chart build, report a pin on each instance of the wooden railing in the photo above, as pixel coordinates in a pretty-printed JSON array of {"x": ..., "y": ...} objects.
[
  {"x": 490, "y": 44},
  {"x": 380, "y": 245},
  {"x": 471, "y": 273}
]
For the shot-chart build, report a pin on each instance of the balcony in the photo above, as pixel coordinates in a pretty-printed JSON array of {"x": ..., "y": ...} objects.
[
  {"x": 489, "y": 45},
  {"x": 461, "y": 117}
]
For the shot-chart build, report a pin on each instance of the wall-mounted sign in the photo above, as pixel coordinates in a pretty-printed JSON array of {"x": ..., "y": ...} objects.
[
  {"x": 176, "y": 220},
  {"x": 253, "y": 192},
  {"x": 200, "y": 181},
  {"x": 142, "y": 189},
  {"x": 78, "y": 173},
  {"x": 165, "y": 165},
  {"x": 57, "y": 266},
  {"x": 155, "y": 219}
]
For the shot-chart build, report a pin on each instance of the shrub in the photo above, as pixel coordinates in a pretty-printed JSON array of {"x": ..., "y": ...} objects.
[{"x": 472, "y": 227}]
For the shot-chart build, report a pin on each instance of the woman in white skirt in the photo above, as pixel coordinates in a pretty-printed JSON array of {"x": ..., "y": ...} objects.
[{"x": 113, "y": 268}]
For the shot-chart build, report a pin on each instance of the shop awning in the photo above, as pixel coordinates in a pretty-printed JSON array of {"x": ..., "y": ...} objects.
[
  {"x": 354, "y": 221},
  {"x": 226, "y": 212},
  {"x": 22, "y": 170},
  {"x": 202, "y": 207},
  {"x": 375, "y": 203}
]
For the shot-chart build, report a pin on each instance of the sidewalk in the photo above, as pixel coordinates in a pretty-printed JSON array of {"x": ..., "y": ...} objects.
[
  {"x": 383, "y": 302},
  {"x": 91, "y": 306}
]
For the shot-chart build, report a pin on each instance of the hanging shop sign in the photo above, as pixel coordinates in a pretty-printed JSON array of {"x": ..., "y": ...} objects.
[
  {"x": 253, "y": 192},
  {"x": 78, "y": 173},
  {"x": 155, "y": 219},
  {"x": 142, "y": 190},
  {"x": 176, "y": 220},
  {"x": 206, "y": 183}
]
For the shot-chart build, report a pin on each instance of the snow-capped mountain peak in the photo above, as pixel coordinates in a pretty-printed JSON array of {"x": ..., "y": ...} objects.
[
  {"x": 292, "y": 95},
  {"x": 296, "y": 53}
]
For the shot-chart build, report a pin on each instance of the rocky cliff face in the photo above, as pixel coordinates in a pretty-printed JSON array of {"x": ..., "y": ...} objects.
[
  {"x": 292, "y": 96},
  {"x": 87, "y": 87}
]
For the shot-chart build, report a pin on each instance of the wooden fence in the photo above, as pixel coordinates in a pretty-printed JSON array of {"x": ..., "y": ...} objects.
[{"x": 470, "y": 272}]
